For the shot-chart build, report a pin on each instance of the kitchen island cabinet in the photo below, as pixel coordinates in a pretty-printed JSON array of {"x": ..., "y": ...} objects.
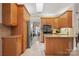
[{"x": 58, "y": 44}]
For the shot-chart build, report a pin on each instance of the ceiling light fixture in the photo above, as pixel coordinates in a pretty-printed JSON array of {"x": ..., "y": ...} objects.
[{"x": 39, "y": 7}]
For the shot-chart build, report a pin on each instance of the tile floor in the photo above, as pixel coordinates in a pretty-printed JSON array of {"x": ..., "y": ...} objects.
[
  {"x": 37, "y": 49},
  {"x": 76, "y": 52}
]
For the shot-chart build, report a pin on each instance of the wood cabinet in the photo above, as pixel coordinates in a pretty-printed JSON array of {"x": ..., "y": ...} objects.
[
  {"x": 58, "y": 45},
  {"x": 69, "y": 17},
  {"x": 26, "y": 14},
  {"x": 12, "y": 45},
  {"x": 9, "y": 14},
  {"x": 62, "y": 21},
  {"x": 65, "y": 20},
  {"x": 43, "y": 21},
  {"x": 21, "y": 28},
  {"x": 55, "y": 22},
  {"x": 50, "y": 21}
]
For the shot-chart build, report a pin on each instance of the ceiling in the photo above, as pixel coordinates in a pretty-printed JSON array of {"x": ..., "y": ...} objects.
[{"x": 48, "y": 8}]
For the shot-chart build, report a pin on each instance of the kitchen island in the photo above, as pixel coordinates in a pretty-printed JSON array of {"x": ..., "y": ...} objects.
[{"x": 58, "y": 45}]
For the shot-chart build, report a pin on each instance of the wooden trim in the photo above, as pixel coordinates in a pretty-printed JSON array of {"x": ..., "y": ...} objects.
[
  {"x": 47, "y": 17},
  {"x": 27, "y": 10},
  {"x": 65, "y": 12}
]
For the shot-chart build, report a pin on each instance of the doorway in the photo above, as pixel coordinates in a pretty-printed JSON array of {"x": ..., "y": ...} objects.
[{"x": 36, "y": 32}]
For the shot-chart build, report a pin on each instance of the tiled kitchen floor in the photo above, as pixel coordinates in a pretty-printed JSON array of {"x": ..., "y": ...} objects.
[
  {"x": 37, "y": 49},
  {"x": 75, "y": 52}
]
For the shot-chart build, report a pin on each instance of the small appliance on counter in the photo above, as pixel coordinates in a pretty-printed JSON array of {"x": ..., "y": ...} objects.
[
  {"x": 56, "y": 31},
  {"x": 47, "y": 29},
  {"x": 63, "y": 31},
  {"x": 66, "y": 31}
]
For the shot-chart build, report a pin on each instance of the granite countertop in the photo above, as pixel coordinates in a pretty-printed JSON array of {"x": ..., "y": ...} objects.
[
  {"x": 58, "y": 35},
  {"x": 69, "y": 33}
]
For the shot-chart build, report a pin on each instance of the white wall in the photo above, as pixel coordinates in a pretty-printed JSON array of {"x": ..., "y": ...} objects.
[
  {"x": 75, "y": 18},
  {"x": 75, "y": 22},
  {"x": 35, "y": 19}
]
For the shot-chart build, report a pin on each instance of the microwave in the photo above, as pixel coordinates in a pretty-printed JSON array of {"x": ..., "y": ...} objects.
[{"x": 47, "y": 29}]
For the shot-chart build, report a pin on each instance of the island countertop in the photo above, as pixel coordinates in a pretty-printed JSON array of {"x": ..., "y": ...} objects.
[
  {"x": 58, "y": 35},
  {"x": 56, "y": 44}
]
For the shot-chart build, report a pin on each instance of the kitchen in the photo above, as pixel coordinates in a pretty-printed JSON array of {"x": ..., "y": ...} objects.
[
  {"x": 59, "y": 35},
  {"x": 58, "y": 28}
]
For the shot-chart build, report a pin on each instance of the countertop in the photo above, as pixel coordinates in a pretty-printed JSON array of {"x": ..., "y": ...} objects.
[{"x": 58, "y": 35}]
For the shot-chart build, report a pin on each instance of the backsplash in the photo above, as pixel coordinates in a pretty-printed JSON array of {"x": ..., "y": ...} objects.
[{"x": 4, "y": 31}]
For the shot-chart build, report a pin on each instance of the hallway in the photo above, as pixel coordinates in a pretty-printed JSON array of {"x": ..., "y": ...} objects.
[{"x": 37, "y": 49}]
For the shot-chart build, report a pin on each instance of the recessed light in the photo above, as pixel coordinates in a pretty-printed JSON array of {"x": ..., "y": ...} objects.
[{"x": 39, "y": 7}]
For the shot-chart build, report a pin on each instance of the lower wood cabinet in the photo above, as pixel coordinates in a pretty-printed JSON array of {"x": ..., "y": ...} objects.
[
  {"x": 11, "y": 46},
  {"x": 58, "y": 46}
]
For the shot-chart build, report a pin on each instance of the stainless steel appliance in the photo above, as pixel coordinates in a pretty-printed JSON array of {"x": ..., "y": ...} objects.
[
  {"x": 29, "y": 35},
  {"x": 47, "y": 29}
]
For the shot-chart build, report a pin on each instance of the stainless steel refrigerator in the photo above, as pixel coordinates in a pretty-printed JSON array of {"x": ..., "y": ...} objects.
[{"x": 29, "y": 35}]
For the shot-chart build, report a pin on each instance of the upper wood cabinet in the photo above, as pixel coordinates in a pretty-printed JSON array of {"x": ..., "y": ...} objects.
[
  {"x": 26, "y": 14},
  {"x": 9, "y": 14},
  {"x": 69, "y": 18},
  {"x": 50, "y": 21},
  {"x": 43, "y": 21},
  {"x": 55, "y": 23},
  {"x": 65, "y": 20}
]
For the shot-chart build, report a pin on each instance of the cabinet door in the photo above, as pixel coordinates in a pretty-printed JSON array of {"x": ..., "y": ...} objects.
[
  {"x": 9, "y": 47},
  {"x": 13, "y": 14},
  {"x": 65, "y": 20},
  {"x": 62, "y": 21},
  {"x": 6, "y": 14},
  {"x": 19, "y": 45},
  {"x": 55, "y": 23},
  {"x": 43, "y": 21},
  {"x": 9, "y": 14},
  {"x": 69, "y": 18},
  {"x": 49, "y": 21}
]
